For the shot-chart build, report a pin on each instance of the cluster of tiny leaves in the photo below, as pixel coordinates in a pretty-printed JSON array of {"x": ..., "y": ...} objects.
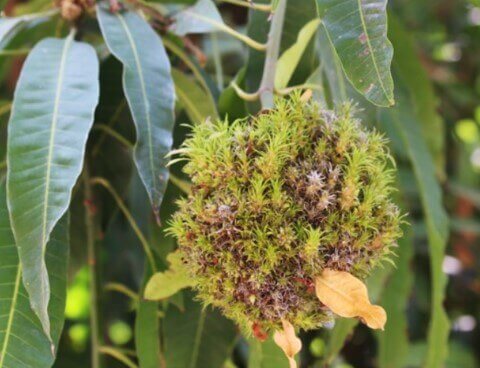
[{"x": 277, "y": 198}]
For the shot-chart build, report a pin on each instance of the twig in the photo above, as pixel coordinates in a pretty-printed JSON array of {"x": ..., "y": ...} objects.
[
  {"x": 119, "y": 355},
  {"x": 267, "y": 84},
  {"x": 112, "y": 133},
  {"x": 146, "y": 247},
  {"x": 243, "y": 94},
  {"x": 92, "y": 267},
  {"x": 120, "y": 288}
]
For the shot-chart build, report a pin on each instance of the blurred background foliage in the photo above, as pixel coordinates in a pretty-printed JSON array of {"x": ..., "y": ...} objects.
[{"x": 437, "y": 57}]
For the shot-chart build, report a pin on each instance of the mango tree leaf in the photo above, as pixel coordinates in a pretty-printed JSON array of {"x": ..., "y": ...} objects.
[
  {"x": 334, "y": 73},
  {"x": 203, "y": 17},
  {"x": 193, "y": 98},
  {"x": 289, "y": 60},
  {"x": 265, "y": 354},
  {"x": 149, "y": 89},
  {"x": 197, "y": 337},
  {"x": 358, "y": 31},
  {"x": 403, "y": 123},
  {"x": 407, "y": 64},
  {"x": 393, "y": 342},
  {"x": 147, "y": 331},
  {"x": 22, "y": 342},
  {"x": 52, "y": 114}
]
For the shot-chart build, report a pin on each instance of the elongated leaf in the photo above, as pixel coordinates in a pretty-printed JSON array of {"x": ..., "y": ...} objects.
[
  {"x": 266, "y": 355},
  {"x": 393, "y": 342},
  {"x": 147, "y": 331},
  {"x": 52, "y": 113},
  {"x": 193, "y": 98},
  {"x": 406, "y": 63},
  {"x": 197, "y": 337},
  {"x": 289, "y": 60},
  {"x": 22, "y": 342},
  {"x": 148, "y": 86},
  {"x": 203, "y": 17},
  {"x": 358, "y": 31},
  {"x": 404, "y": 124},
  {"x": 10, "y": 26}
]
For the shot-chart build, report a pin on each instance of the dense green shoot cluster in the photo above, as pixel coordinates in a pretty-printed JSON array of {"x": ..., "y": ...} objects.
[{"x": 277, "y": 198}]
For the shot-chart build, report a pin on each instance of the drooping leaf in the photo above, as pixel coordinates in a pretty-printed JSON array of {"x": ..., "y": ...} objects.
[
  {"x": 334, "y": 73},
  {"x": 149, "y": 89},
  {"x": 403, "y": 123},
  {"x": 288, "y": 341},
  {"x": 22, "y": 341},
  {"x": 147, "y": 332},
  {"x": 164, "y": 284},
  {"x": 358, "y": 31},
  {"x": 347, "y": 296},
  {"x": 193, "y": 98},
  {"x": 197, "y": 337},
  {"x": 407, "y": 65},
  {"x": 203, "y": 17},
  {"x": 266, "y": 354},
  {"x": 52, "y": 113},
  {"x": 289, "y": 60},
  {"x": 393, "y": 342}
]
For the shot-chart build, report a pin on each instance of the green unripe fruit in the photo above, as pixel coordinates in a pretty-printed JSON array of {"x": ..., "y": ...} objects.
[{"x": 277, "y": 198}]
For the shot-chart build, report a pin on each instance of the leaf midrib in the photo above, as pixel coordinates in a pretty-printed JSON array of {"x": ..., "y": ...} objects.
[
  {"x": 51, "y": 145},
  {"x": 369, "y": 44},
  {"x": 10, "y": 315},
  {"x": 197, "y": 341},
  {"x": 144, "y": 95}
]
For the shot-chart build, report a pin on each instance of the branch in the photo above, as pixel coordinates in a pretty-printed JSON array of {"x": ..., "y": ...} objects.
[
  {"x": 146, "y": 247},
  {"x": 267, "y": 86}
]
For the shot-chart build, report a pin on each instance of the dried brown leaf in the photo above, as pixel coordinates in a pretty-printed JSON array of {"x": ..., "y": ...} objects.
[
  {"x": 347, "y": 296},
  {"x": 288, "y": 342}
]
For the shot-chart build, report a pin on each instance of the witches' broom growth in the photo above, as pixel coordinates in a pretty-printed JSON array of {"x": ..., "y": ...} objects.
[{"x": 276, "y": 200}]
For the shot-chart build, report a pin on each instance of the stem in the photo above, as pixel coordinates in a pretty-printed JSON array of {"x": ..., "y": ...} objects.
[
  {"x": 146, "y": 247},
  {"x": 267, "y": 86},
  {"x": 217, "y": 58},
  {"x": 92, "y": 268},
  {"x": 122, "y": 289},
  {"x": 112, "y": 133},
  {"x": 3, "y": 164},
  {"x": 115, "y": 117},
  {"x": 243, "y": 94},
  {"x": 119, "y": 355}
]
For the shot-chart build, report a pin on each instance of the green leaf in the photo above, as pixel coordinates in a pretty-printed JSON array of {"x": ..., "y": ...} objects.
[
  {"x": 333, "y": 69},
  {"x": 193, "y": 98},
  {"x": 10, "y": 26},
  {"x": 404, "y": 124},
  {"x": 265, "y": 354},
  {"x": 407, "y": 65},
  {"x": 165, "y": 284},
  {"x": 147, "y": 333},
  {"x": 149, "y": 89},
  {"x": 203, "y": 17},
  {"x": 197, "y": 337},
  {"x": 289, "y": 60},
  {"x": 393, "y": 342},
  {"x": 358, "y": 31},
  {"x": 52, "y": 113},
  {"x": 22, "y": 342}
]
